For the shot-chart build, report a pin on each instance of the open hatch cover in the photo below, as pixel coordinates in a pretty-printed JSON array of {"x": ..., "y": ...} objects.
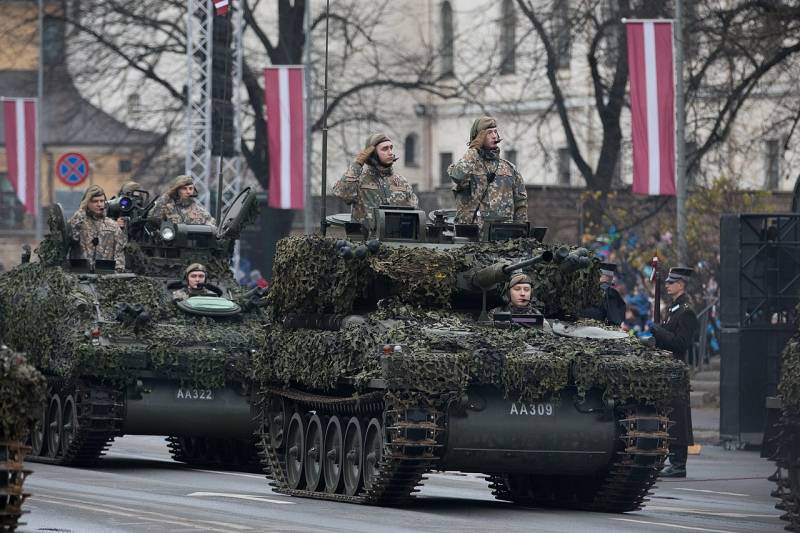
[{"x": 209, "y": 306}]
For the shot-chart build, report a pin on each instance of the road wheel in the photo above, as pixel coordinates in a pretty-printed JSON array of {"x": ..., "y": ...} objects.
[
  {"x": 295, "y": 451},
  {"x": 353, "y": 448},
  {"x": 276, "y": 418},
  {"x": 55, "y": 426},
  {"x": 332, "y": 453},
  {"x": 373, "y": 452},
  {"x": 37, "y": 432},
  {"x": 314, "y": 453},
  {"x": 70, "y": 420}
]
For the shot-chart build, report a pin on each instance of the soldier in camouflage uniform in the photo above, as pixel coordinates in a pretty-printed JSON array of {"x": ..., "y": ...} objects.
[
  {"x": 195, "y": 279},
  {"x": 518, "y": 295},
  {"x": 178, "y": 204},
  {"x": 487, "y": 187},
  {"x": 99, "y": 237},
  {"x": 370, "y": 181}
]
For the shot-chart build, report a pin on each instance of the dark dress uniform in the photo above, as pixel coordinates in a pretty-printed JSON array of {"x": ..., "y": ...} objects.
[
  {"x": 676, "y": 334},
  {"x": 611, "y": 310}
]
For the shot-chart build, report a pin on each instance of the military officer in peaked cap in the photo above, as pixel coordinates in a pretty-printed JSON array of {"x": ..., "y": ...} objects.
[
  {"x": 612, "y": 309},
  {"x": 677, "y": 334}
]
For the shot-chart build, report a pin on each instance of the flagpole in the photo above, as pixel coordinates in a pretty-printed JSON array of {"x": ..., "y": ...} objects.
[
  {"x": 680, "y": 120},
  {"x": 308, "y": 220},
  {"x": 39, "y": 143}
]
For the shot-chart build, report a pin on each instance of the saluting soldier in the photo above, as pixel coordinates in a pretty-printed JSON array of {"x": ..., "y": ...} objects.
[
  {"x": 486, "y": 186},
  {"x": 194, "y": 278},
  {"x": 612, "y": 309},
  {"x": 99, "y": 237},
  {"x": 677, "y": 334},
  {"x": 179, "y": 205},
  {"x": 370, "y": 181}
]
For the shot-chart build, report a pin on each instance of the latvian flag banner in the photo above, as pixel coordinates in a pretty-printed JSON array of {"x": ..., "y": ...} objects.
[
  {"x": 652, "y": 107},
  {"x": 20, "y": 139},
  {"x": 283, "y": 88},
  {"x": 221, "y": 7}
]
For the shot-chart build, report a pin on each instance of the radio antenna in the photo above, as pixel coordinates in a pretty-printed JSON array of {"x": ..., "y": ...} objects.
[{"x": 323, "y": 196}]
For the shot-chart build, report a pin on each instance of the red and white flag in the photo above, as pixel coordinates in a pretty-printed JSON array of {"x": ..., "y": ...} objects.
[
  {"x": 283, "y": 88},
  {"x": 221, "y": 7},
  {"x": 652, "y": 107},
  {"x": 20, "y": 135}
]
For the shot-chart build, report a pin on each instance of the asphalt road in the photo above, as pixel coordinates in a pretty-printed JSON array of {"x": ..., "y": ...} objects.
[{"x": 137, "y": 487}]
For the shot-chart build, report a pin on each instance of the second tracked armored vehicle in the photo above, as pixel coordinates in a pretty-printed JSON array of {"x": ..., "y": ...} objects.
[
  {"x": 22, "y": 389},
  {"x": 381, "y": 364},
  {"x": 121, "y": 357}
]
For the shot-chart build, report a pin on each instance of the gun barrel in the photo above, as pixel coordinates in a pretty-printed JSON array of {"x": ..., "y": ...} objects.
[
  {"x": 488, "y": 276},
  {"x": 544, "y": 257}
]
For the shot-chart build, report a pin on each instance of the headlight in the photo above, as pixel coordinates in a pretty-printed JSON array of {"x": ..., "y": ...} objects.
[{"x": 167, "y": 233}]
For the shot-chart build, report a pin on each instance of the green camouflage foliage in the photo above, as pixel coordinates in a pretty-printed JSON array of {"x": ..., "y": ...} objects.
[
  {"x": 789, "y": 385},
  {"x": 22, "y": 393},
  {"x": 309, "y": 276},
  {"x": 441, "y": 353},
  {"x": 50, "y": 313}
]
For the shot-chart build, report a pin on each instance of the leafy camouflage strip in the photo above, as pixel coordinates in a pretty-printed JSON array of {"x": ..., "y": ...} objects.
[
  {"x": 311, "y": 276},
  {"x": 789, "y": 386},
  {"x": 50, "y": 314},
  {"x": 12, "y": 478},
  {"x": 443, "y": 353},
  {"x": 22, "y": 393}
]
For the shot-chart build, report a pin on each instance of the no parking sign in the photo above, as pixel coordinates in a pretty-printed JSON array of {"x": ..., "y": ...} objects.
[{"x": 72, "y": 169}]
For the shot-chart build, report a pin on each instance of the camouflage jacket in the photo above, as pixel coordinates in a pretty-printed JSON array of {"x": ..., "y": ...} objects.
[
  {"x": 110, "y": 238},
  {"x": 530, "y": 309},
  {"x": 194, "y": 213},
  {"x": 366, "y": 187},
  {"x": 186, "y": 292},
  {"x": 504, "y": 199}
]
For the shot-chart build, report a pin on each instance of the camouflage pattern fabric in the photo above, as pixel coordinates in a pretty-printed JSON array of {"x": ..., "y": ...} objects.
[
  {"x": 531, "y": 308},
  {"x": 365, "y": 187},
  {"x": 789, "y": 385},
  {"x": 504, "y": 199},
  {"x": 22, "y": 393},
  {"x": 186, "y": 292},
  {"x": 111, "y": 240},
  {"x": 182, "y": 211}
]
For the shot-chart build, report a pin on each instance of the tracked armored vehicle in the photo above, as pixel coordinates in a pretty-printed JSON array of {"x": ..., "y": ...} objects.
[
  {"x": 381, "y": 364},
  {"x": 121, "y": 357},
  {"x": 22, "y": 390},
  {"x": 784, "y": 439}
]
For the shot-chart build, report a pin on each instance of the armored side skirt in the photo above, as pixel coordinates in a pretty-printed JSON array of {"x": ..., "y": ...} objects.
[
  {"x": 164, "y": 407},
  {"x": 489, "y": 433}
]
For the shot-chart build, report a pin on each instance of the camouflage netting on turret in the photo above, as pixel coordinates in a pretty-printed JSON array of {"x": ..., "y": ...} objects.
[
  {"x": 22, "y": 393},
  {"x": 106, "y": 325},
  {"x": 443, "y": 353},
  {"x": 310, "y": 276},
  {"x": 789, "y": 386}
]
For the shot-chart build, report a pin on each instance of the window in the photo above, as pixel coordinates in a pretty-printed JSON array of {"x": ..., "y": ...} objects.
[
  {"x": 508, "y": 44},
  {"x": 772, "y": 163},
  {"x": 564, "y": 161},
  {"x": 447, "y": 40},
  {"x": 134, "y": 105},
  {"x": 125, "y": 165},
  {"x": 445, "y": 160},
  {"x": 410, "y": 150},
  {"x": 11, "y": 209},
  {"x": 561, "y": 32},
  {"x": 53, "y": 33},
  {"x": 511, "y": 156}
]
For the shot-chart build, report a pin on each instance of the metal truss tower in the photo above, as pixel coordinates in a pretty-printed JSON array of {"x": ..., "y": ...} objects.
[{"x": 199, "y": 163}]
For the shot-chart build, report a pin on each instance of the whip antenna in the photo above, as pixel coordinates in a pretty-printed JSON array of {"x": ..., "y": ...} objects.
[{"x": 323, "y": 197}]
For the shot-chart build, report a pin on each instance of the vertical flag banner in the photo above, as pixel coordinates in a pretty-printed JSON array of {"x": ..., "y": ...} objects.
[
  {"x": 221, "y": 7},
  {"x": 283, "y": 88},
  {"x": 20, "y": 132},
  {"x": 652, "y": 107}
]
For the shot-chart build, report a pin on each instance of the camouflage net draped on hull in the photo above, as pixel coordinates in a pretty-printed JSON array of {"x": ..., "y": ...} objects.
[
  {"x": 787, "y": 477},
  {"x": 443, "y": 353},
  {"x": 51, "y": 315},
  {"x": 309, "y": 276},
  {"x": 22, "y": 391}
]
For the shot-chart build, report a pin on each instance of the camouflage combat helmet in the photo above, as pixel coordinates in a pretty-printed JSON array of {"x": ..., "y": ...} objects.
[
  {"x": 375, "y": 139},
  {"x": 92, "y": 192},
  {"x": 480, "y": 124},
  {"x": 129, "y": 187},
  {"x": 194, "y": 267},
  {"x": 177, "y": 183}
]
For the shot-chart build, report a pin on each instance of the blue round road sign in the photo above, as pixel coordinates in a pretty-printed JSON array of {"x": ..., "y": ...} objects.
[{"x": 72, "y": 169}]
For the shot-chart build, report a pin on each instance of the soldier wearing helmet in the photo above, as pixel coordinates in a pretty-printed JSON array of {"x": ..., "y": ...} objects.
[
  {"x": 178, "y": 204},
  {"x": 518, "y": 297},
  {"x": 370, "y": 181},
  {"x": 194, "y": 279},
  {"x": 99, "y": 237},
  {"x": 486, "y": 186}
]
